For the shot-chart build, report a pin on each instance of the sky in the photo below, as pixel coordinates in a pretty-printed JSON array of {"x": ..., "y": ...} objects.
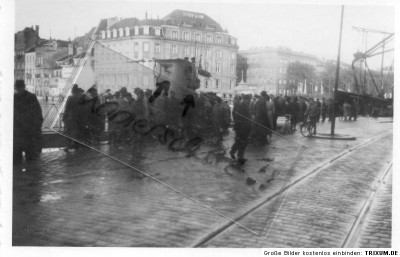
[{"x": 310, "y": 28}]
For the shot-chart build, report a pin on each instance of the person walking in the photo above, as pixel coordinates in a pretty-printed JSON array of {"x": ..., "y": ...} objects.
[{"x": 242, "y": 127}]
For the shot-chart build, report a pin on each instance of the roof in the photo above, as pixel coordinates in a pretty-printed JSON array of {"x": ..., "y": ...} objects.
[
  {"x": 175, "y": 18},
  {"x": 64, "y": 58},
  {"x": 199, "y": 20}
]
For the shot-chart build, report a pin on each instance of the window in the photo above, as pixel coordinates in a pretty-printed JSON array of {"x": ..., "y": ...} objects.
[
  {"x": 207, "y": 66},
  {"x": 233, "y": 56},
  {"x": 219, "y": 40},
  {"x": 186, "y": 36},
  {"x": 198, "y": 38},
  {"x": 206, "y": 84},
  {"x": 284, "y": 82},
  {"x": 216, "y": 83},
  {"x": 146, "y": 47},
  {"x": 174, "y": 34},
  {"x": 219, "y": 54},
  {"x": 280, "y": 82},
  {"x": 136, "y": 50},
  {"x": 174, "y": 49},
  {"x": 208, "y": 53},
  {"x": 218, "y": 67},
  {"x": 232, "y": 69},
  {"x": 187, "y": 52},
  {"x": 157, "y": 48},
  {"x": 209, "y": 39}
]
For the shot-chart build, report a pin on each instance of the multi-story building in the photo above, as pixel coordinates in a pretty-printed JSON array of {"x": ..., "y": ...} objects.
[
  {"x": 267, "y": 68},
  {"x": 23, "y": 40},
  {"x": 180, "y": 34},
  {"x": 40, "y": 63}
]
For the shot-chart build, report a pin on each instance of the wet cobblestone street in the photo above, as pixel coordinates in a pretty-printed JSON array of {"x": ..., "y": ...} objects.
[{"x": 85, "y": 198}]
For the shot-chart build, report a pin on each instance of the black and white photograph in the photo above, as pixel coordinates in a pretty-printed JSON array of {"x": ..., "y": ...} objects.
[{"x": 162, "y": 124}]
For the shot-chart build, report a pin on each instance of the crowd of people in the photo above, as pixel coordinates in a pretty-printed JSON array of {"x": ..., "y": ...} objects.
[{"x": 204, "y": 115}]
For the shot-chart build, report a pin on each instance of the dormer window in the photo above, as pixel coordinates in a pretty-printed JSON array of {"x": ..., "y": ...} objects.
[
  {"x": 114, "y": 33},
  {"x": 174, "y": 34},
  {"x": 127, "y": 31},
  {"x": 108, "y": 33},
  {"x": 146, "y": 30},
  {"x": 103, "y": 34},
  {"x": 157, "y": 32}
]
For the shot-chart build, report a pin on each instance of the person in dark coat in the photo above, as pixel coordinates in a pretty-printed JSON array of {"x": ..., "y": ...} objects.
[
  {"x": 70, "y": 117},
  {"x": 93, "y": 123},
  {"x": 28, "y": 121},
  {"x": 226, "y": 116},
  {"x": 261, "y": 119},
  {"x": 217, "y": 118},
  {"x": 242, "y": 127},
  {"x": 278, "y": 111},
  {"x": 294, "y": 112},
  {"x": 302, "y": 109}
]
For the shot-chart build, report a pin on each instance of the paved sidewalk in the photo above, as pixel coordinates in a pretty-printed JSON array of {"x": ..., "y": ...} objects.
[{"x": 87, "y": 199}]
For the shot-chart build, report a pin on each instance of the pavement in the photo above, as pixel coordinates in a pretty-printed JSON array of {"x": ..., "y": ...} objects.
[
  {"x": 376, "y": 229},
  {"x": 169, "y": 199}
]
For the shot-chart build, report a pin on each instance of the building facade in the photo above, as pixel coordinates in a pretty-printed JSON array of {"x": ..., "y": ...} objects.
[
  {"x": 266, "y": 68},
  {"x": 23, "y": 40},
  {"x": 181, "y": 34},
  {"x": 41, "y": 67}
]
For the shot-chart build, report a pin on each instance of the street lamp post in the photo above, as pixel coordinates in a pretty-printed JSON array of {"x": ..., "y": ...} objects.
[{"x": 337, "y": 75}]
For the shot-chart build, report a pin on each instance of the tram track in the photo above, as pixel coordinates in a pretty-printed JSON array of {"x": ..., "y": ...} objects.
[
  {"x": 352, "y": 236},
  {"x": 268, "y": 199}
]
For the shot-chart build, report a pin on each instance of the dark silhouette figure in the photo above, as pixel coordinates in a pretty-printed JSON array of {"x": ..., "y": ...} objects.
[
  {"x": 28, "y": 121},
  {"x": 242, "y": 127}
]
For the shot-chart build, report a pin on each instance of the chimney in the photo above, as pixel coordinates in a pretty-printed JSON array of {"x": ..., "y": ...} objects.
[{"x": 37, "y": 29}]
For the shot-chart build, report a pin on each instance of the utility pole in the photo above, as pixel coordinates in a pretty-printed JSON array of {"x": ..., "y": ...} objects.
[{"x": 337, "y": 75}]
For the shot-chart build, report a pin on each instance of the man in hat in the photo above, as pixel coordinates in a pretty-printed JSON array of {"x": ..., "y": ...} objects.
[
  {"x": 28, "y": 121},
  {"x": 242, "y": 127}
]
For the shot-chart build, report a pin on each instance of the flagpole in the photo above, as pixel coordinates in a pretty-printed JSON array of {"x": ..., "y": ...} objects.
[{"x": 337, "y": 76}]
